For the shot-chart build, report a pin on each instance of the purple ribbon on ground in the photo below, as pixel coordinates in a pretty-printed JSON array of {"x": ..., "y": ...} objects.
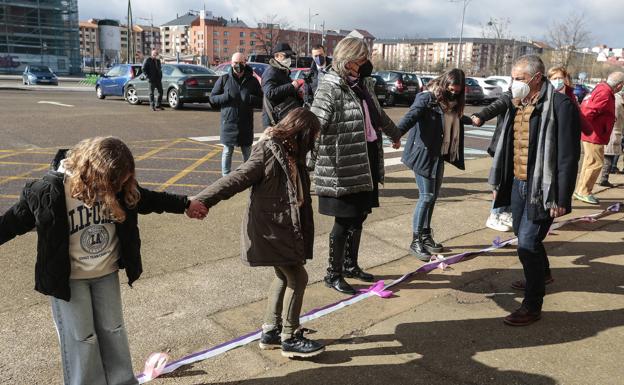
[{"x": 154, "y": 365}]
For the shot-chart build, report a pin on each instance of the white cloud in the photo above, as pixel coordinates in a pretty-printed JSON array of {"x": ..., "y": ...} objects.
[{"x": 389, "y": 18}]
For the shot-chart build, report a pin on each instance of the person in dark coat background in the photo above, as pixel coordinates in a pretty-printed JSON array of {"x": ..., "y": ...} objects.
[
  {"x": 153, "y": 71},
  {"x": 236, "y": 93},
  {"x": 277, "y": 84}
]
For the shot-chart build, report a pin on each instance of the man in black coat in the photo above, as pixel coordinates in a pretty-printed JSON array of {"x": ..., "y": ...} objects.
[
  {"x": 319, "y": 67},
  {"x": 534, "y": 167},
  {"x": 277, "y": 85},
  {"x": 236, "y": 93},
  {"x": 153, "y": 71}
]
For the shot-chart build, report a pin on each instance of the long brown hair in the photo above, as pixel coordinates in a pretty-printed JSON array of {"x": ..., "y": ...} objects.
[
  {"x": 300, "y": 127},
  {"x": 439, "y": 85},
  {"x": 98, "y": 169}
]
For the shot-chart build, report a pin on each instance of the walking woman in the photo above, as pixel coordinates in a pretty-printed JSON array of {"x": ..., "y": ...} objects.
[
  {"x": 348, "y": 156},
  {"x": 278, "y": 229},
  {"x": 435, "y": 123}
]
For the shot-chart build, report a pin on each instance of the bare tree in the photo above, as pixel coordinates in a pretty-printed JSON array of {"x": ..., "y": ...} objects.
[
  {"x": 269, "y": 31},
  {"x": 567, "y": 37},
  {"x": 497, "y": 30}
]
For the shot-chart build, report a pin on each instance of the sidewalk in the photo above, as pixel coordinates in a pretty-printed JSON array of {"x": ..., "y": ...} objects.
[{"x": 444, "y": 327}]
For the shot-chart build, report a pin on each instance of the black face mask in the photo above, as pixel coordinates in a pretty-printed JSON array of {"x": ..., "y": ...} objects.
[
  {"x": 238, "y": 68},
  {"x": 450, "y": 96},
  {"x": 366, "y": 69},
  {"x": 320, "y": 60}
]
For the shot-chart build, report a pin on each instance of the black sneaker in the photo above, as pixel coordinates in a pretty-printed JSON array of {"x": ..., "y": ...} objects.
[
  {"x": 271, "y": 339},
  {"x": 606, "y": 183},
  {"x": 299, "y": 346}
]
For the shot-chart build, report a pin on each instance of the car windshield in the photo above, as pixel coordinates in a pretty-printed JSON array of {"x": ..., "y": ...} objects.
[
  {"x": 491, "y": 82},
  {"x": 39, "y": 69},
  {"x": 471, "y": 82},
  {"x": 378, "y": 79},
  {"x": 195, "y": 70}
]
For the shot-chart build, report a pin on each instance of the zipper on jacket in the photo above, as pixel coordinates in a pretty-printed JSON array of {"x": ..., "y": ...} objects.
[{"x": 370, "y": 172}]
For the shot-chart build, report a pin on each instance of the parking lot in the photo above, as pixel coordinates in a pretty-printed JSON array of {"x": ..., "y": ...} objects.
[{"x": 175, "y": 150}]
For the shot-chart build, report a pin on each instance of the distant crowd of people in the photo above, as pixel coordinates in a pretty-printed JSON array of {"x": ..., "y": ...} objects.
[{"x": 85, "y": 209}]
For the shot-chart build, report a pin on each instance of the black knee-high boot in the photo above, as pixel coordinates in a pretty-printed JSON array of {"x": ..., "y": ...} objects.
[
  {"x": 351, "y": 267},
  {"x": 334, "y": 278}
]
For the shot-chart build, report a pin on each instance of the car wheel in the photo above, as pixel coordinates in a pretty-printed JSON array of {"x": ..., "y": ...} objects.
[
  {"x": 99, "y": 93},
  {"x": 173, "y": 99},
  {"x": 131, "y": 96}
]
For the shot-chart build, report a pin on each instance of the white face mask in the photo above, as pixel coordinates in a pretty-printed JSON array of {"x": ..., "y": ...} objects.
[
  {"x": 519, "y": 90},
  {"x": 557, "y": 83},
  {"x": 286, "y": 62}
]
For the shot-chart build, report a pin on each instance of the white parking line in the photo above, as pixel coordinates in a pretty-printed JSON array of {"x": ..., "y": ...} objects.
[
  {"x": 480, "y": 133},
  {"x": 54, "y": 103}
]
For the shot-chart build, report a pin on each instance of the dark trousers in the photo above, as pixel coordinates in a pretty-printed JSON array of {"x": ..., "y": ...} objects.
[
  {"x": 285, "y": 299},
  {"x": 610, "y": 162},
  {"x": 155, "y": 85},
  {"x": 531, "y": 249}
]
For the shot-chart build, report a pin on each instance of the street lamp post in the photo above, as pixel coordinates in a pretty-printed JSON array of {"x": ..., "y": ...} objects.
[
  {"x": 310, "y": 16},
  {"x": 461, "y": 32}
]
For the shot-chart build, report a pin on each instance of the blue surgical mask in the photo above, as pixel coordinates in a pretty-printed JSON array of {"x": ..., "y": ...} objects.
[{"x": 557, "y": 83}]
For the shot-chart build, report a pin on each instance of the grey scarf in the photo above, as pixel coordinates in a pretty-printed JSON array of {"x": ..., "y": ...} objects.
[{"x": 544, "y": 182}]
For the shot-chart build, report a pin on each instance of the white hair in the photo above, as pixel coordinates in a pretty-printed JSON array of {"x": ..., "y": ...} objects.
[{"x": 615, "y": 78}]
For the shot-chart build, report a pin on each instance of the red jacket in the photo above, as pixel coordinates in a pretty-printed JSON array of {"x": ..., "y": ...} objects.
[{"x": 598, "y": 110}]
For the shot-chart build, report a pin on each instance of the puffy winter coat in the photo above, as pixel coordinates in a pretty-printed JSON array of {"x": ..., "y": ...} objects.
[{"x": 341, "y": 156}]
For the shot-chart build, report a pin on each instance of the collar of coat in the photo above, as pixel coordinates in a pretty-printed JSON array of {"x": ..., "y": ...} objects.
[
  {"x": 333, "y": 77},
  {"x": 247, "y": 72},
  {"x": 278, "y": 66}
]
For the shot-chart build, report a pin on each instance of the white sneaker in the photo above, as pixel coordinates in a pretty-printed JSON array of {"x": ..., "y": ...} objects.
[
  {"x": 494, "y": 223},
  {"x": 506, "y": 219}
]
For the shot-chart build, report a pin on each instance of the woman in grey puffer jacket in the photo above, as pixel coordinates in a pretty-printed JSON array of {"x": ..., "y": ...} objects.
[{"x": 348, "y": 156}]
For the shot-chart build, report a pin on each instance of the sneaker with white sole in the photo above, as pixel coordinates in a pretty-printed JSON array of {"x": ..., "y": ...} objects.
[
  {"x": 506, "y": 219},
  {"x": 494, "y": 223}
]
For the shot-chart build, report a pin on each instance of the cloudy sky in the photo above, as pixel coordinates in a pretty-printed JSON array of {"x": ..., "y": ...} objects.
[{"x": 390, "y": 18}]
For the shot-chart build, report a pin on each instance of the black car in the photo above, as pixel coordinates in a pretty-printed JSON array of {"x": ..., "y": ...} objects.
[
  {"x": 182, "y": 83},
  {"x": 381, "y": 89},
  {"x": 401, "y": 86}
]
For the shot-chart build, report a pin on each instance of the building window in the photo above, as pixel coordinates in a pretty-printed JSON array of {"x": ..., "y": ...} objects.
[
  {"x": 226, "y": 33},
  {"x": 215, "y": 42},
  {"x": 225, "y": 50},
  {"x": 242, "y": 42},
  {"x": 253, "y": 35},
  {"x": 242, "y": 34},
  {"x": 225, "y": 41},
  {"x": 252, "y": 43},
  {"x": 241, "y": 50}
]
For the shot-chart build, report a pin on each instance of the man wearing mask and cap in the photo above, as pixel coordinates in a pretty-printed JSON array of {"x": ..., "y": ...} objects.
[
  {"x": 236, "y": 93},
  {"x": 280, "y": 91},
  {"x": 319, "y": 66},
  {"x": 534, "y": 170}
]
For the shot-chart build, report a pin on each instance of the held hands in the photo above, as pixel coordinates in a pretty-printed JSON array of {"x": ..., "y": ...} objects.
[
  {"x": 557, "y": 212},
  {"x": 297, "y": 83},
  {"x": 476, "y": 121},
  {"x": 396, "y": 144},
  {"x": 196, "y": 210}
]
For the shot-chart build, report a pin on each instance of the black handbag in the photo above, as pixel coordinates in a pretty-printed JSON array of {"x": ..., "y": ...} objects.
[{"x": 279, "y": 112}]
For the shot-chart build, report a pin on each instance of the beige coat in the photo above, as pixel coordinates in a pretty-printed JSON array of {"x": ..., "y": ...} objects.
[{"x": 615, "y": 142}]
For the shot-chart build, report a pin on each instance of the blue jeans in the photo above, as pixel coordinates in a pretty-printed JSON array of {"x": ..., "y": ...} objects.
[
  {"x": 92, "y": 335},
  {"x": 428, "y": 190},
  {"x": 500, "y": 210},
  {"x": 531, "y": 249},
  {"x": 226, "y": 157}
]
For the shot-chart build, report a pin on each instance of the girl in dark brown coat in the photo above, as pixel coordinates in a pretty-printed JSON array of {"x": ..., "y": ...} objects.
[{"x": 278, "y": 226}]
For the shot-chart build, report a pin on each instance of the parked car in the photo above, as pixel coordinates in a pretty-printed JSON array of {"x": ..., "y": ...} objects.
[
  {"x": 474, "y": 92},
  {"x": 258, "y": 69},
  {"x": 491, "y": 91},
  {"x": 112, "y": 83},
  {"x": 182, "y": 83},
  {"x": 297, "y": 61},
  {"x": 299, "y": 73},
  {"x": 581, "y": 91},
  {"x": 39, "y": 74},
  {"x": 402, "y": 86},
  {"x": 424, "y": 80},
  {"x": 502, "y": 81},
  {"x": 381, "y": 89}
]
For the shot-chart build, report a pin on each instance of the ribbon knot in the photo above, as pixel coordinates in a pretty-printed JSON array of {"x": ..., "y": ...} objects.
[{"x": 378, "y": 290}]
